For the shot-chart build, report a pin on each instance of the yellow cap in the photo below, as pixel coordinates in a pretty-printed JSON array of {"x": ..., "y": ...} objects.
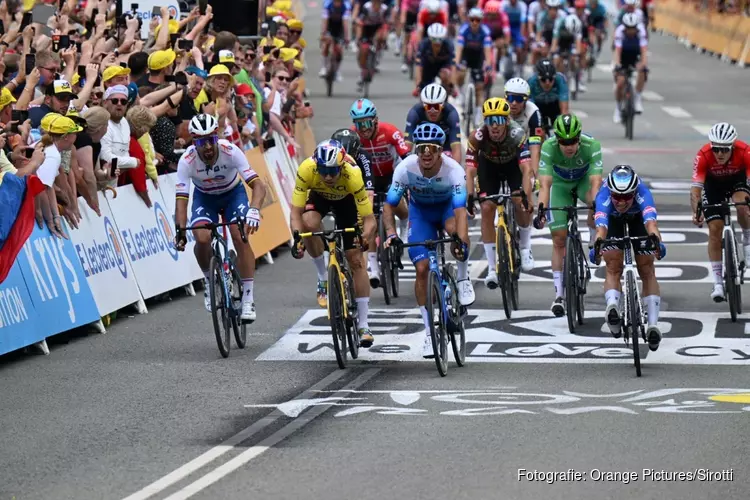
[
  {"x": 55, "y": 123},
  {"x": 295, "y": 24},
  {"x": 112, "y": 72},
  {"x": 298, "y": 65},
  {"x": 226, "y": 57},
  {"x": 220, "y": 69},
  {"x": 302, "y": 42},
  {"x": 270, "y": 12},
  {"x": 282, "y": 5},
  {"x": 6, "y": 98},
  {"x": 288, "y": 54},
  {"x": 174, "y": 27},
  {"x": 161, "y": 59}
]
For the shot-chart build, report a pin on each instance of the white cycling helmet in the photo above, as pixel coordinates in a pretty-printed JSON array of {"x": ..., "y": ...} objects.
[
  {"x": 432, "y": 6},
  {"x": 517, "y": 86},
  {"x": 554, "y": 4},
  {"x": 622, "y": 180},
  {"x": 476, "y": 13},
  {"x": 722, "y": 134},
  {"x": 203, "y": 124},
  {"x": 437, "y": 31},
  {"x": 573, "y": 24},
  {"x": 631, "y": 3},
  {"x": 434, "y": 93},
  {"x": 630, "y": 20}
]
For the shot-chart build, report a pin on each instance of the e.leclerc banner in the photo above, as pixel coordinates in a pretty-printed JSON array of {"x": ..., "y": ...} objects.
[{"x": 18, "y": 320}]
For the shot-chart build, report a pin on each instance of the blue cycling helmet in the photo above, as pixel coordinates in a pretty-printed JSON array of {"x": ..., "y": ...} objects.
[
  {"x": 363, "y": 108},
  {"x": 428, "y": 133},
  {"x": 329, "y": 153}
]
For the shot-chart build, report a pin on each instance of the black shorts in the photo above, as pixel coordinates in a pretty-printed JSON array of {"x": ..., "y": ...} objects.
[
  {"x": 497, "y": 34},
  {"x": 344, "y": 211},
  {"x": 430, "y": 71},
  {"x": 636, "y": 228},
  {"x": 492, "y": 175},
  {"x": 549, "y": 111},
  {"x": 716, "y": 190},
  {"x": 383, "y": 184},
  {"x": 410, "y": 22}
]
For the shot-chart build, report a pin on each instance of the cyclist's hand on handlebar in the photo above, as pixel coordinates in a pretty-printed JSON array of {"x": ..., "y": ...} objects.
[
  {"x": 298, "y": 248},
  {"x": 252, "y": 218},
  {"x": 459, "y": 248},
  {"x": 698, "y": 218},
  {"x": 541, "y": 217},
  {"x": 393, "y": 241},
  {"x": 180, "y": 240},
  {"x": 471, "y": 204}
]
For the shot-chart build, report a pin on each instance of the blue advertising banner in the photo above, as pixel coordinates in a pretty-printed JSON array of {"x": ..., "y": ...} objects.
[
  {"x": 57, "y": 283},
  {"x": 18, "y": 320}
]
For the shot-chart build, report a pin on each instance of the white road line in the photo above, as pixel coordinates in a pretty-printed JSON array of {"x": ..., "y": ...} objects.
[
  {"x": 606, "y": 68},
  {"x": 702, "y": 129},
  {"x": 650, "y": 95},
  {"x": 676, "y": 112},
  {"x": 581, "y": 114},
  {"x": 228, "y": 445},
  {"x": 255, "y": 451}
]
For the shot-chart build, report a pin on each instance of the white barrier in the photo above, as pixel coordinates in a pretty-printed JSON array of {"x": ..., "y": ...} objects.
[{"x": 282, "y": 175}]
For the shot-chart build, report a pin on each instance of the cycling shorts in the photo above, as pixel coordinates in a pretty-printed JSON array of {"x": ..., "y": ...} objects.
[
  {"x": 426, "y": 223},
  {"x": 344, "y": 212},
  {"x": 430, "y": 71},
  {"x": 410, "y": 22},
  {"x": 492, "y": 175},
  {"x": 616, "y": 229},
  {"x": 717, "y": 189},
  {"x": 473, "y": 59},
  {"x": 207, "y": 207},
  {"x": 561, "y": 195},
  {"x": 517, "y": 38}
]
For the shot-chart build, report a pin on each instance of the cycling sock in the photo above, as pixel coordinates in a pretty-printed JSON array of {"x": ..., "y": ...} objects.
[
  {"x": 320, "y": 266},
  {"x": 746, "y": 236},
  {"x": 363, "y": 309},
  {"x": 247, "y": 289},
  {"x": 489, "y": 250},
  {"x": 372, "y": 257},
  {"x": 718, "y": 278},
  {"x": 525, "y": 237},
  {"x": 653, "y": 303},
  {"x": 463, "y": 270},
  {"x": 612, "y": 296},
  {"x": 207, "y": 274},
  {"x": 557, "y": 277},
  {"x": 425, "y": 319}
]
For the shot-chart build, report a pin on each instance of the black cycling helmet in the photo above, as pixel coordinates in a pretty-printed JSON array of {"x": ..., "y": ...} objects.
[
  {"x": 348, "y": 139},
  {"x": 545, "y": 69}
]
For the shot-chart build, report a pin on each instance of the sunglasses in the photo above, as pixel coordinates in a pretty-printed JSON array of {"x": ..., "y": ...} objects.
[
  {"x": 284, "y": 78},
  {"x": 495, "y": 120},
  {"x": 295, "y": 32},
  {"x": 205, "y": 141},
  {"x": 568, "y": 142},
  {"x": 721, "y": 149},
  {"x": 433, "y": 107},
  {"x": 436, "y": 40},
  {"x": 622, "y": 198},
  {"x": 428, "y": 149},
  {"x": 475, "y": 20},
  {"x": 515, "y": 98},
  {"x": 546, "y": 80},
  {"x": 326, "y": 171},
  {"x": 116, "y": 101},
  {"x": 364, "y": 124}
]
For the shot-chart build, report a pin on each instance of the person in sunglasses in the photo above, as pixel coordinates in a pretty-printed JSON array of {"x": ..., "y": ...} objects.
[
  {"x": 217, "y": 168},
  {"x": 549, "y": 91},
  {"x": 624, "y": 199},
  {"x": 570, "y": 161},
  {"x": 526, "y": 114},
  {"x": 631, "y": 52},
  {"x": 496, "y": 153},
  {"x": 326, "y": 182},
  {"x": 435, "y": 109},
  {"x": 437, "y": 203},
  {"x": 474, "y": 53},
  {"x": 435, "y": 57},
  {"x": 721, "y": 171}
]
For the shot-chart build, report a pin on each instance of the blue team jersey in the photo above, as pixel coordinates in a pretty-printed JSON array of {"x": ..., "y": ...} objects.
[
  {"x": 643, "y": 205},
  {"x": 337, "y": 14},
  {"x": 427, "y": 57},
  {"x": 558, "y": 92},
  {"x": 472, "y": 41},
  {"x": 517, "y": 14},
  {"x": 449, "y": 121},
  {"x": 447, "y": 187}
]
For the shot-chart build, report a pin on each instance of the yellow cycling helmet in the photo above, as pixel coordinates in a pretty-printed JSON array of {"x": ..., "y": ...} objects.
[{"x": 495, "y": 106}]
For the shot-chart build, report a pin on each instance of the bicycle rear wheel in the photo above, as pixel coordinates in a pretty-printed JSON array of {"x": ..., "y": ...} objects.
[
  {"x": 503, "y": 272},
  {"x": 730, "y": 272},
  {"x": 336, "y": 315},
  {"x": 515, "y": 256},
  {"x": 219, "y": 312},
  {"x": 634, "y": 320},
  {"x": 570, "y": 277},
  {"x": 394, "y": 259},
  {"x": 438, "y": 330},
  {"x": 239, "y": 328},
  {"x": 457, "y": 331}
]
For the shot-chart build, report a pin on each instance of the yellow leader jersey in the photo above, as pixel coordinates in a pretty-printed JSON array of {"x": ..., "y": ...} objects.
[{"x": 349, "y": 183}]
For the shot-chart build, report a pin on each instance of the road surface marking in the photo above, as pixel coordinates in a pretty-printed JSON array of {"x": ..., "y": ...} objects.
[
  {"x": 257, "y": 450},
  {"x": 581, "y": 114},
  {"x": 702, "y": 129},
  {"x": 650, "y": 95},
  {"x": 228, "y": 445},
  {"x": 606, "y": 68},
  {"x": 676, "y": 112}
]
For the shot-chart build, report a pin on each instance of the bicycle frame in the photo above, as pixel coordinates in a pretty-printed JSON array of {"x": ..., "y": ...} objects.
[{"x": 502, "y": 220}]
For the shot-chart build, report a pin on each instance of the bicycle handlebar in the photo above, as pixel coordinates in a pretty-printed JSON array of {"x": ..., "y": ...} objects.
[
  {"x": 240, "y": 223},
  {"x": 649, "y": 239},
  {"x": 431, "y": 244},
  {"x": 330, "y": 234},
  {"x": 569, "y": 209},
  {"x": 724, "y": 204},
  {"x": 503, "y": 196}
]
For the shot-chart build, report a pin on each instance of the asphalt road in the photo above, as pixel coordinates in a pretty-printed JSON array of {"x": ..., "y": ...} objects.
[{"x": 150, "y": 410}]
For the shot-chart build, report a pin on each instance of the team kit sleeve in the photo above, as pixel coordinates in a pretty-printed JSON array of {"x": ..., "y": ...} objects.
[
  {"x": 596, "y": 164},
  {"x": 365, "y": 165},
  {"x": 357, "y": 189},
  {"x": 182, "y": 187},
  {"x": 458, "y": 179},
  {"x": 618, "y": 36},
  {"x": 472, "y": 151},
  {"x": 412, "y": 120},
  {"x": 563, "y": 93},
  {"x": 546, "y": 158},
  {"x": 535, "y": 128},
  {"x": 399, "y": 184},
  {"x": 454, "y": 134},
  {"x": 603, "y": 207},
  {"x": 699, "y": 170},
  {"x": 302, "y": 184},
  {"x": 487, "y": 41},
  {"x": 645, "y": 200},
  {"x": 398, "y": 142}
]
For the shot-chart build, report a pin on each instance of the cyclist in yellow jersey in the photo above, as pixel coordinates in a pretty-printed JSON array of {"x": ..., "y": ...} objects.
[{"x": 326, "y": 182}]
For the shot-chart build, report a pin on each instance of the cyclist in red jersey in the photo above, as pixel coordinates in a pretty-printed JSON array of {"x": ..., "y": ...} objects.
[
  {"x": 386, "y": 146},
  {"x": 432, "y": 12},
  {"x": 721, "y": 170}
]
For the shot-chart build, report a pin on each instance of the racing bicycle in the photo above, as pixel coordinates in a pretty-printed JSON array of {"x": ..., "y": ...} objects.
[
  {"x": 332, "y": 64},
  {"x": 470, "y": 97},
  {"x": 342, "y": 306},
  {"x": 225, "y": 287},
  {"x": 446, "y": 314},
  {"x": 732, "y": 256},
  {"x": 627, "y": 106},
  {"x": 507, "y": 238},
  {"x": 388, "y": 257}
]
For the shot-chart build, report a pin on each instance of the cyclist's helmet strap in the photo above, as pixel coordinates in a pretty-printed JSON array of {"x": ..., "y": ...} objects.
[{"x": 567, "y": 126}]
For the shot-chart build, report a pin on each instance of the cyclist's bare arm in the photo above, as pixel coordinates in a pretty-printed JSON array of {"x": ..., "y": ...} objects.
[
  {"x": 389, "y": 219},
  {"x": 295, "y": 219},
  {"x": 545, "y": 185}
]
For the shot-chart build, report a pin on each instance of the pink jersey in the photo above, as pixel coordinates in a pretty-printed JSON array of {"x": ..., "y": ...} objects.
[
  {"x": 410, "y": 5},
  {"x": 498, "y": 23}
]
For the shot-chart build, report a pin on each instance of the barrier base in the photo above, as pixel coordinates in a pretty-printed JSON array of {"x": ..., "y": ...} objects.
[
  {"x": 269, "y": 258},
  {"x": 190, "y": 290},
  {"x": 99, "y": 326},
  {"x": 39, "y": 348}
]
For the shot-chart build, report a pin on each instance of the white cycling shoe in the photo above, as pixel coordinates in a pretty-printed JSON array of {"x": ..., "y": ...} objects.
[
  {"x": 527, "y": 259},
  {"x": 612, "y": 317},
  {"x": 207, "y": 300},
  {"x": 248, "y": 312},
  {"x": 717, "y": 294},
  {"x": 427, "y": 352},
  {"x": 491, "y": 280},
  {"x": 466, "y": 294}
]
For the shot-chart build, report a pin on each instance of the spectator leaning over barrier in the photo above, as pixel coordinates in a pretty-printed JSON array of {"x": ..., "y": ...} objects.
[
  {"x": 275, "y": 94},
  {"x": 116, "y": 141},
  {"x": 164, "y": 132},
  {"x": 136, "y": 176},
  {"x": 141, "y": 120},
  {"x": 87, "y": 148}
]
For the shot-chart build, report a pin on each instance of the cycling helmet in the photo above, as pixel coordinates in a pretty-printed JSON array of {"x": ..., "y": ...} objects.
[
  {"x": 203, "y": 124},
  {"x": 363, "y": 108},
  {"x": 580, "y": 4},
  {"x": 722, "y": 134},
  {"x": 349, "y": 141},
  {"x": 573, "y": 24},
  {"x": 631, "y": 3},
  {"x": 622, "y": 180},
  {"x": 492, "y": 7},
  {"x": 517, "y": 86},
  {"x": 432, "y": 6},
  {"x": 545, "y": 69},
  {"x": 429, "y": 133},
  {"x": 495, "y": 106},
  {"x": 434, "y": 93},
  {"x": 630, "y": 20},
  {"x": 437, "y": 31},
  {"x": 567, "y": 126},
  {"x": 476, "y": 13},
  {"x": 554, "y": 4},
  {"x": 329, "y": 153}
]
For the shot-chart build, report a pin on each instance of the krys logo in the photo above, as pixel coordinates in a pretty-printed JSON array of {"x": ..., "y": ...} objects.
[
  {"x": 163, "y": 223},
  {"x": 101, "y": 256}
]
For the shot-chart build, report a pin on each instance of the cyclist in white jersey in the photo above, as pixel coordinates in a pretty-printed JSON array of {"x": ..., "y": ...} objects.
[
  {"x": 526, "y": 114},
  {"x": 217, "y": 169}
]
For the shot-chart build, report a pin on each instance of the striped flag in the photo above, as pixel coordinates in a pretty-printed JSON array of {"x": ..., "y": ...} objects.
[{"x": 16, "y": 216}]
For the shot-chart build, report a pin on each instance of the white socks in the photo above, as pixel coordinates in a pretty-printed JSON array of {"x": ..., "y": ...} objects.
[
  {"x": 463, "y": 270},
  {"x": 557, "y": 276},
  {"x": 612, "y": 296},
  {"x": 718, "y": 277},
  {"x": 489, "y": 251},
  {"x": 525, "y": 237},
  {"x": 363, "y": 307},
  {"x": 653, "y": 303},
  {"x": 372, "y": 258},
  {"x": 425, "y": 319},
  {"x": 247, "y": 289},
  {"x": 320, "y": 266}
]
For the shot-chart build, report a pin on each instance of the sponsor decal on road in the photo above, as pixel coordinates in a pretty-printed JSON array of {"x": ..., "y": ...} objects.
[{"x": 529, "y": 337}]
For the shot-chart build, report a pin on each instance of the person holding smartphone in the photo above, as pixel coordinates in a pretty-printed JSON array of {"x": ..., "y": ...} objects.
[{"x": 116, "y": 141}]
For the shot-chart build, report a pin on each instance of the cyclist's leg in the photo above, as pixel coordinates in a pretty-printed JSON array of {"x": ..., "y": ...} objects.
[
  {"x": 560, "y": 196},
  {"x": 236, "y": 205},
  {"x": 204, "y": 210},
  {"x": 466, "y": 295},
  {"x": 515, "y": 173},
  {"x": 612, "y": 256},
  {"x": 421, "y": 228},
  {"x": 644, "y": 260},
  {"x": 715, "y": 192},
  {"x": 489, "y": 181},
  {"x": 739, "y": 192},
  {"x": 316, "y": 208},
  {"x": 584, "y": 193}
]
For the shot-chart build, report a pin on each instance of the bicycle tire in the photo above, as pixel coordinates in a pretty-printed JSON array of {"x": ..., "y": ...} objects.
[
  {"x": 515, "y": 238},
  {"x": 336, "y": 316},
  {"x": 730, "y": 272},
  {"x": 438, "y": 333},
  {"x": 457, "y": 332},
  {"x": 394, "y": 257},
  {"x": 469, "y": 106},
  {"x": 630, "y": 113},
  {"x": 503, "y": 271},
  {"x": 352, "y": 321},
  {"x": 238, "y": 327},
  {"x": 581, "y": 284},
  {"x": 570, "y": 282},
  {"x": 384, "y": 261},
  {"x": 219, "y": 312},
  {"x": 634, "y": 321}
]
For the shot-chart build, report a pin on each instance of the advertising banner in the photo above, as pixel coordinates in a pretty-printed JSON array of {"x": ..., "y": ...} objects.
[
  {"x": 18, "y": 321},
  {"x": 274, "y": 227},
  {"x": 167, "y": 185},
  {"x": 283, "y": 182}
]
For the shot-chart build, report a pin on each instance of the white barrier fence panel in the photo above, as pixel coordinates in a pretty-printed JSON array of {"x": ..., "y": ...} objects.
[
  {"x": 99, "y": 247},
  {"x": 283, "y": 181}
]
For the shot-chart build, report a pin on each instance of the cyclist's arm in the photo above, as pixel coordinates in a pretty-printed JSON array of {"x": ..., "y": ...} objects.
[
  {"x": 458, "y": 200},
  {"x": 645, "y": 201},
  {"x": 399, "y": 183},
  {"x": 250, "y": 176},
  {"x": 182, "y": 189},
  {"x": 643, "y": 39},
  {"x": 524, "y": 163},
  {"x": 545, "y": 175},
  {"x": 536, "y": 137},
  {"x": 454, "y": 134},
  {"x": 324, "y": 23},
  {"x": 472, "y": 158},
  {"x": 488, "y": 47},
  {"x": 603, "y": 207},
  {"x": 700, "y": 168},
  {"x": 555, "y": 36},
  {"x": 459, "y": 48},
  {"x": 398, "y": 142},
  {"x": 302, "y": 184},
  {"x": 412, "y": 120},
  {"x": 595, "y": 170}
]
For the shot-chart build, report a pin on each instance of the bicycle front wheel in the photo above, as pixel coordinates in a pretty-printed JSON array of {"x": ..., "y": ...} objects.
[
  {"x": 730, "y": 272},
  {"x": 457, "y": 332},
  {"x": 238, "y": 326},
  {"x": 581, "y": 284},
  {"x": 336, "y": 315},
  {"x": 219, "y": 306},
  {"x": 634, "y": 320},
  {"x": 503, "y": 271},
  {"x": 570, "y": 276},
  {"x": 436, "y": 316},
  {"x": 384, "y": 261}
]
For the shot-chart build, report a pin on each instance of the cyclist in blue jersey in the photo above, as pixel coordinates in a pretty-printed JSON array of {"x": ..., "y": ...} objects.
[
  {"x": 549, "y": 91},
  {"x": 624, "y": 199},
  {"x": 435, "y": 109},
  {"x": 474, "y": 53},
  {"x": 434, "y": 58},
  {"x": 599, "y": 20},
  {"x": 517, "y": 12},
  {"x": 437, "y": 203},
  {"x": 334, "y": 29}
]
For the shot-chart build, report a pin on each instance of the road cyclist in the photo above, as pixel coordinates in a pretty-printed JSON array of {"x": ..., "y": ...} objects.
[
  {"x": 334, "y": 30},
  {"x": 434, "y": 108},
  {"x": 631, "y": 53},
  {"x": 549, "y": 91},
  {"x": 474, "y": 55},
  {"x": 218, "y": 169},
  {"x": 527, "y": 115}
]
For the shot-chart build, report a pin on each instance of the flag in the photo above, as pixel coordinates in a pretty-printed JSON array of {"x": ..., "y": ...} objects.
[{"x": 16, "y": 216}]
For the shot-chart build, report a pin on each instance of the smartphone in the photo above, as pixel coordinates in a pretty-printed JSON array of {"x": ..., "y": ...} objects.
[
  {"x": 113, "y": 167},
  {"x": 181, "y": 78},
  {"x": 2, "y": 27},
  {"x": 156, "y": 12},
  {"x": 30, "y": 62},
  {"x": 28, "y": 152},
  {"x": 202, "y": 4},
  {"x": 123, "y": 65},
  {"x": 134, "y": 7},
  {"x": 173, "y": 38},
  {"x": 269, "y": 143},
  {"x": 183, "y": 44},
  {"x": 264, "y": 30},
  {"x": 268, "y": 76},
  {"x": 81, "y": 72},
  {"x": 94, "y": 13},
  {"x": 27, "y": 18},
  {"x": 267, "y": 49},
  {"x": 78, "y": 46}
]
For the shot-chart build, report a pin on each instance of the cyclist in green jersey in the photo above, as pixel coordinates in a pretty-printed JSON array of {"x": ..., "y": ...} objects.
[{"x": 570, "y": 161}]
